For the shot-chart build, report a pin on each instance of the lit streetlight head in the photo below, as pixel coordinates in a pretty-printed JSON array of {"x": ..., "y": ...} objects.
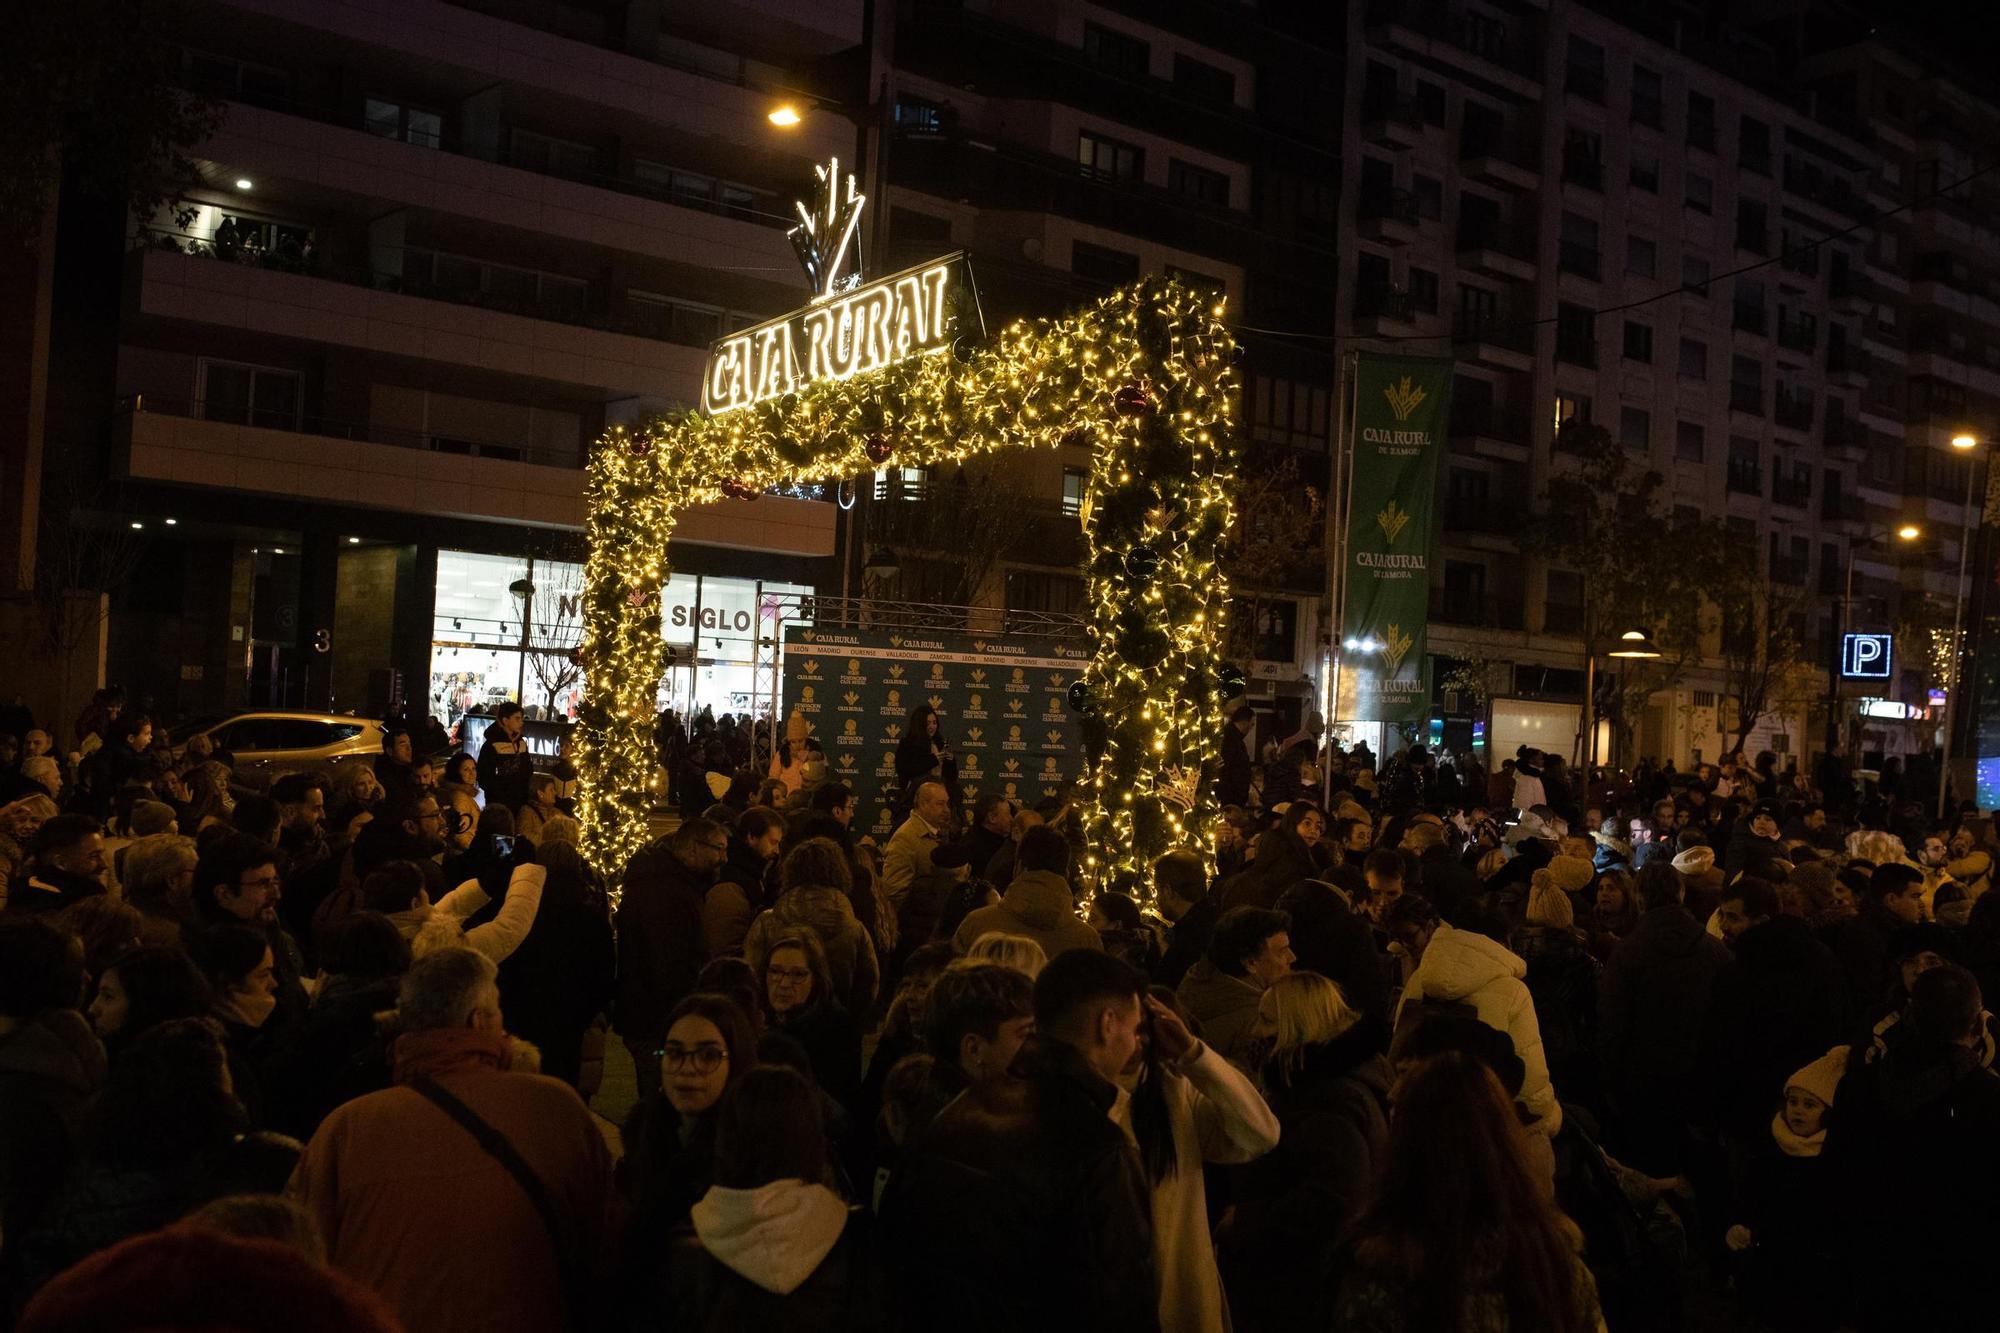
[
  {"x": 1964, "y": 441},
  {"x": 1909, "y": 532},
  {"x": 1634, "y": 643},
  {"x": 244, "y": 183},
  {"x": 784, "y": 116}
]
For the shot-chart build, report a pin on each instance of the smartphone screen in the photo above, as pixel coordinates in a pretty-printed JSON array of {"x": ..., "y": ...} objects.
[{"x": 503, "y": 844}]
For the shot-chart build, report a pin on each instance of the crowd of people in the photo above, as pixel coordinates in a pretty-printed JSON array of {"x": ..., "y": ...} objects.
[{"x": 1413, "y": 1046}]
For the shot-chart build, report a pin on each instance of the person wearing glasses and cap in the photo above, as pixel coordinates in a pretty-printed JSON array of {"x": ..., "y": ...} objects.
[{"x": 660, "y": 932}]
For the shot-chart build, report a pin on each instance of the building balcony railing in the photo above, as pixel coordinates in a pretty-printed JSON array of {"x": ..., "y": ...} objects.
[
  {"x": 1489, "y": 421},
  {"x": 585, "y": 166},
  {"x": 1797, "y": 335},
  {"x": 1383, "y": 303},
  {"x": 1580, "y": 259},
  {"x": 1455, "y": 606},
  {"x": 1496, "y": 328},
  {"x": 518, "y": 450},
  {"x": 1583, "y": 169},
  {"x": 1513, "y": 44},
  {"x": 459, "y": 280}
]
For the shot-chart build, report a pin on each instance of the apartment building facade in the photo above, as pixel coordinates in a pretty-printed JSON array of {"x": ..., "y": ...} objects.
[
  {"x": 437, "y": 249},
  {"x": 1614, "y": 215}
]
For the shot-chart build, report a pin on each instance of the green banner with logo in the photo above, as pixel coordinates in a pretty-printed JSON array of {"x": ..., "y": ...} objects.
[{"x": 1402, "y": 406}]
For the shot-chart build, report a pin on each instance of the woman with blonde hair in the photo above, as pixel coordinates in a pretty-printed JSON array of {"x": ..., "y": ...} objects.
[
  {"x": 1327, "y": 1080},
  {"x": 1015, "y": 951}
]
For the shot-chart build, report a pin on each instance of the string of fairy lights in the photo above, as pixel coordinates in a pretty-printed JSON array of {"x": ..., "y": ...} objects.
[{"x": 1146, "y": 377}]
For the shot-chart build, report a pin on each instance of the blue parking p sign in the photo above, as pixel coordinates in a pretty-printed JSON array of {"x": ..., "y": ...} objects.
[{"x": 1867, "y": 656}]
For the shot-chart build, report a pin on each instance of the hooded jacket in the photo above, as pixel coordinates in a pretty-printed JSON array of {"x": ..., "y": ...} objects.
[
  {"x": 1224, "y": 1006},
  {"x": 50, "y": 1069},
  {"x": 774, "y": 1236},
  {"x": 1039, "y": 905},
  {"x": 1651, "y": 1001},
  {"x": 1468, "y": 968},
  {"x": 827, "y": 913}
]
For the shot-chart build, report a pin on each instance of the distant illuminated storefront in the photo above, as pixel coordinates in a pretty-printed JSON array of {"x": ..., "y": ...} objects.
[{"x": 505, "y": 626}]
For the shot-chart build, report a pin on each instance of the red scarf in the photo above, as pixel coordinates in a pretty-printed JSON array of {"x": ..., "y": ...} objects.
[{"x": 442, "y": 1052}]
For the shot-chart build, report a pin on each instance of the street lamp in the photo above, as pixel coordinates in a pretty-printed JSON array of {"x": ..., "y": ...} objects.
[
  {"x": 1907, "y": 532},
  {"x": 1632, "y": 645},
  {"x": 1964, "y": 443}
]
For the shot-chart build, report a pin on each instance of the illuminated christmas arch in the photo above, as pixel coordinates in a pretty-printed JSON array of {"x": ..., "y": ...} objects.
[{"x": 1146, "y": 377}]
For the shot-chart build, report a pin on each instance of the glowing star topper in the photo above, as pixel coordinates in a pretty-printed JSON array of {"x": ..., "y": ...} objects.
[{"x": 826, "y": 231}]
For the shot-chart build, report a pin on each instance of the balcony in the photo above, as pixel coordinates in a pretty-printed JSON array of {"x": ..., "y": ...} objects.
[
  {"x": 1749, "y": 318},
  {"x": 1392, "y": 122},
  {"x": 1503, "y": 339},
  {"x": 1583, "y": 169},
  {"x": 1788, "y": 493},
  {"x": 1476, "y": 610},
  {"x": 1491, "y": 428},
  {"x": 1844, "y": 435},
  {"x": 1499, "y": 251},
  {"x": 1833, "y": 192},
  {"x": 1389, "y": 216},
  {"x": 1579, "y": 258},
  {"x": 1383, "y": 310},
  {"x": 1746, "y": 477},
  {"x": 1500, "y": 156},
  {"x": 1842, "y": 507},
  {"x": 1512, "y": 46},
  {"x": 521, "y": 332},
  {"x": 1798, "y": 335},
  {"x": 1746, "y": 398}
]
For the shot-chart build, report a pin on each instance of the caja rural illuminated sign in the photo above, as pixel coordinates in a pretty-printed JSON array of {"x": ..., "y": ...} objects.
[{"x": 851, "y": 327}]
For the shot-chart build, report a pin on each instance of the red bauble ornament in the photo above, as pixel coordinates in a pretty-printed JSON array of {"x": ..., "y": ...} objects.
[
  {"x": 878, "y": 448},
  {"x": 576, "y": 657},
  {"x": 1131, "y": 400},
  {"x": 738, "y": 489},
  {"x": 639, "y": 446}
]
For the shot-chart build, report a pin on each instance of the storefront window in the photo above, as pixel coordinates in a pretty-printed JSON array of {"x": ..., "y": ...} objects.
[{"x": 505, "y": 626}]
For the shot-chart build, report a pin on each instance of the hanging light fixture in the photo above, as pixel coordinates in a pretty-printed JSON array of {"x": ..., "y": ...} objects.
[{"x": 1634, "y": 643}]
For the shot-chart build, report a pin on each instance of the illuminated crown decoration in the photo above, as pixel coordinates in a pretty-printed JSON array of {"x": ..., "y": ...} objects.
[{"x": 826, "y": 230}]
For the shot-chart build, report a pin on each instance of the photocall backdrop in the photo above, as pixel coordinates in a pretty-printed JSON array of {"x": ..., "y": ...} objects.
[{"x": 1000, "y": 702}]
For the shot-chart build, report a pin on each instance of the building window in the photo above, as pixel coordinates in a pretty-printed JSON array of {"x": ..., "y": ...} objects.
[
  {"x": 1102, "y": 155},
  {"x": 1646, "y": 92},
  {"x": 1430, "y": 196},
  {"x": 551, "y": 156},
  {"x": 1431, "y": 104},
  {"x": 1694, "y": 275},
  {"x": 1584, "y": 76},
  {"x": 1745, "y": 467},
  {"x": 1690, "y": 442},
  {"x": 1571, "y": 408},
  {"x": 1746, "y": 384},
  {"x": 1583, "y": 157},
  {"x": 1116, "y": 52},
  {"x": 1100, "y": 263},
  {"x": 1694, "y": 359},
  {"x": 1701, "y": 121},
  {"x": 1424, "y": 290},
  {"x": 1577, "y": 247},
  {"x": 1197, "y": 184},
  {"x": 393, "y": 120},
  {"x": 1641, "y": 256},
  {"x": 1700, "y": 193},
  {"x": 1638, "y": 341},
  {"x": 1201, "y": 80},
  {"x": 1635, "y": 427},
  {"x": 1576, "y": 334},
  {"x": 1644, "y": 170},
  {"x": 918, "y": 118},
  {"x": 1753, "y": 146},
  {"x": 1075, "y": 480},
  {"x": 1753, "y": 227},
  {"x": 1288, "y": 412},
  {"x": 1564, "y": 611},
  {"x": 1749, "y": 307},
  {"x": 1044, "y": 591},
  {"x": 248, "y": 395}
]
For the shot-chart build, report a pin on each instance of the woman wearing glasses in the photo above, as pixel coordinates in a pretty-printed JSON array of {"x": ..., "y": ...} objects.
[
  {"x": 669, "y": 1158},
  {"x": 799, "y": 997}
]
